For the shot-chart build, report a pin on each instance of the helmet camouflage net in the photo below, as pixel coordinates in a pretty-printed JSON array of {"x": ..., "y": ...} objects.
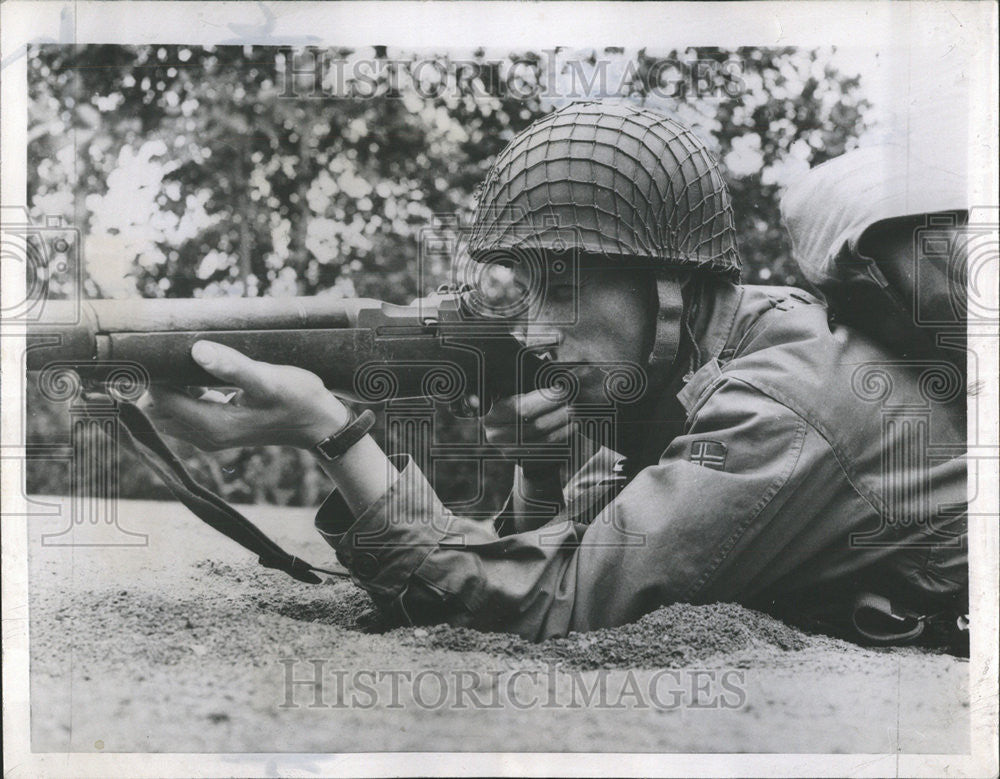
[{"x": 611, "y": 180}]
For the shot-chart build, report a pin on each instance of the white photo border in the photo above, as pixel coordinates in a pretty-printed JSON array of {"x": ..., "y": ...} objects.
[{"x": 970, "y": 27}]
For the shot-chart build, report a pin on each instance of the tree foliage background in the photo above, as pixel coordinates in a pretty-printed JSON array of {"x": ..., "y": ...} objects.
[{"x": 226, "y": 171}]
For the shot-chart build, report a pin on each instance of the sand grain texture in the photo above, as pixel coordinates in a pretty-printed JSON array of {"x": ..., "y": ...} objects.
[{"x": 185, "y": 645}]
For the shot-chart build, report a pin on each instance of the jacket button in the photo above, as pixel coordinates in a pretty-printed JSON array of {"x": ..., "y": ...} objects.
[{"x": 366, "y": 565}]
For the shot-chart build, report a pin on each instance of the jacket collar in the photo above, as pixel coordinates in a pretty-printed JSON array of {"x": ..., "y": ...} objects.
[
  {"x": 718, "y": 305},
  {"x": 661, "y": 414},
  {"x": 716, "y": 323},
  {"x": 714, "y": 328}
]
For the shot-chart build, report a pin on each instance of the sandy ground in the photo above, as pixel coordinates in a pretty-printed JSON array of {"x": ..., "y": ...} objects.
[{"x": 184, "y": 644}]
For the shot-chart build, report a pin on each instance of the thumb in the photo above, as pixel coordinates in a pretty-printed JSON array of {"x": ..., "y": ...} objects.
[{"x": 232, "y": 366}]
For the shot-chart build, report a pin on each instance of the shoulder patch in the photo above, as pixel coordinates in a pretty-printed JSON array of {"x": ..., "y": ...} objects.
[{"x": 710, "y": 454}]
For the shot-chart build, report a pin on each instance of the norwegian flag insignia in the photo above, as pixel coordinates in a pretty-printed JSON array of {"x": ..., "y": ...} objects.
[{"x": 710, "y": 454}]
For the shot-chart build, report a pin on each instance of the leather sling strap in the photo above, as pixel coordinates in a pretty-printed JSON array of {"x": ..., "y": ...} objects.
[{"x": 141, "y": 438}]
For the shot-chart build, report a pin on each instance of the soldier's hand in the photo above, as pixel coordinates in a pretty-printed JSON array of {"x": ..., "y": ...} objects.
[
  {"x": 273, "y": 405},
  {"x": 532, "y": 418}
]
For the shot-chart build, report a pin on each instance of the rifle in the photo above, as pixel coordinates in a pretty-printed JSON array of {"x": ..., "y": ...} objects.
[{"x": 447, "y": 347}]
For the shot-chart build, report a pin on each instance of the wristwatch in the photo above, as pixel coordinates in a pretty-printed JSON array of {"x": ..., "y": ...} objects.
[{"x": 335, "y": 446}]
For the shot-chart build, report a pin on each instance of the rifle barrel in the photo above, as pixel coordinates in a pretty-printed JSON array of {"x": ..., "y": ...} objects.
[{"x": 359, "y": 347}]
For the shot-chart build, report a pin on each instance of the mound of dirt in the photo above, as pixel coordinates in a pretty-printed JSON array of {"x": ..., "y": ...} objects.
[
  {"x": 165, "y": 629},
  {"x": 187, "y": 645},
  {"x": 670, "y": 637}
]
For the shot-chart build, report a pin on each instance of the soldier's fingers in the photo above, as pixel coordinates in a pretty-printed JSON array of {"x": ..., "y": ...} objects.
[
  {"x": 536, "y": 403},
  {"x": 500, "y": 434},
  {"x": 185, "y": 417},
  {"x": 551, "y": 420},
  {"x": 535, "y": 430},
  {"x": 233, "y": 367},
  {"x": 157, "y": 400},
  {"x": 170, "y": 425},
  {"x": 558, "y": 436}
]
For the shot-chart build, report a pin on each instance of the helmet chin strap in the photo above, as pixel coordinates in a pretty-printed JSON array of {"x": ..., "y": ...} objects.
[{"x": 669, "y": 324}]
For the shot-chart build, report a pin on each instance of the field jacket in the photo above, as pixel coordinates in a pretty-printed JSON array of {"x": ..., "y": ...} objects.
[{"x": 806, "y": 460}]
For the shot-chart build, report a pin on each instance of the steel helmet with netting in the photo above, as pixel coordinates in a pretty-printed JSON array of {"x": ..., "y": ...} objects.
[{"x": 611, "y": 180}]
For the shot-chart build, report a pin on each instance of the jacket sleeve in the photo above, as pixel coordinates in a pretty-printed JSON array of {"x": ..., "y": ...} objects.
[
  {"x": 684, "y": 529},
  {"x": 596, "y": 482}
]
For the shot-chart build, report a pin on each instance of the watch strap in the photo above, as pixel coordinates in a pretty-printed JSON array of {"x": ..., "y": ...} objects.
[{"x": 336, "y": 445}]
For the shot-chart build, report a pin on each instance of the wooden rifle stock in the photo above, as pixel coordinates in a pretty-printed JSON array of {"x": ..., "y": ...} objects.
[{"x": 363, "y": 349}]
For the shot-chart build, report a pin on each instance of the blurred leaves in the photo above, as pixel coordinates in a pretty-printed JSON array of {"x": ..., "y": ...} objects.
[{"x": 206, "y": 172}]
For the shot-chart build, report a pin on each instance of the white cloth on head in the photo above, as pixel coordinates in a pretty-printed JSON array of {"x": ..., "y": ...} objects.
[{"x": 834, "y": 203}]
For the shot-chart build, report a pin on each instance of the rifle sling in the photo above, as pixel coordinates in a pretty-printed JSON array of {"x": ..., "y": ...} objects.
[{"x": 141, "y": 437}]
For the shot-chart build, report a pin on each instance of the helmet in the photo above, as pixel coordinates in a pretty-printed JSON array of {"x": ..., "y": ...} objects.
[{"x": 612, "y": 180}]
